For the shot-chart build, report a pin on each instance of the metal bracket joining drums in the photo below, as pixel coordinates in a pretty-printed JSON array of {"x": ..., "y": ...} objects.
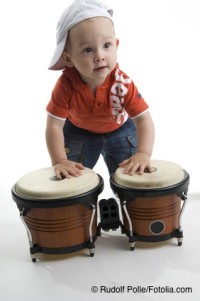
[{"x": 109, "y": 215}]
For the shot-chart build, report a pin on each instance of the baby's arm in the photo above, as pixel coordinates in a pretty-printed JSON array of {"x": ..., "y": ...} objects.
[
  {"x": 56, "y": 148},
  {"x": 145, "y": 137}
]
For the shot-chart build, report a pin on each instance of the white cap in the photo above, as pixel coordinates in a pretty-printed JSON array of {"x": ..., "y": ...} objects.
[{"x": 78, "y": 11}]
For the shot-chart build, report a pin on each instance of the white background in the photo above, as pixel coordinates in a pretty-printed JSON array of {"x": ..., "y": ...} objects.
[{"x": 159, "y": 48}]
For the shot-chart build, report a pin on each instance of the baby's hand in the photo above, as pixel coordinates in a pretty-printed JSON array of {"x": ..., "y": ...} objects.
[
  {"x": 67, "y": 168},
  {"x": 137, "y": 163}
]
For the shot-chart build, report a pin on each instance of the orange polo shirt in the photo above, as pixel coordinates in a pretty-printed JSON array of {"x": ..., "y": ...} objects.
[{"x": 115, "y": 100}]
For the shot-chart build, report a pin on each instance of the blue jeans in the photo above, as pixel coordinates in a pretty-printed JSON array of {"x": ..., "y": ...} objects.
[{"x": 85, "y": 147}]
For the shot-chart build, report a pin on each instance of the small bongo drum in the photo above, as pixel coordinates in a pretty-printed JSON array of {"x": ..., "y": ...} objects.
[
  {"x": 59, "y": 215},
  {"x": 152, "y": 203}
]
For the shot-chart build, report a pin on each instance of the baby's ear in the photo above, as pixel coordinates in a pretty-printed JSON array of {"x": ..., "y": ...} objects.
[
  {"x": 117, "y": 42},
  {"x": 67, "y": 60}
]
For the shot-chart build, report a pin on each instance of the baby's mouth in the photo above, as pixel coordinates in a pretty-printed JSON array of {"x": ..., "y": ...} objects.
[{"x": 100, "y": 68}]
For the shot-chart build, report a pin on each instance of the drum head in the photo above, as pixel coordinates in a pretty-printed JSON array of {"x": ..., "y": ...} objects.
[
  {"x": 42, "y": 184},
  {"x": 166, "y": 174}
]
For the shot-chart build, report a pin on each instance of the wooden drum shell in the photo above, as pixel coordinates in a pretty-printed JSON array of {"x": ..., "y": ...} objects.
[
  {"x": 146, "y": 213},
  {"x": 60, "y": 227}
]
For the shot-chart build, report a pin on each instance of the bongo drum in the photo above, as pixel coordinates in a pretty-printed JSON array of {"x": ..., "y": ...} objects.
[
  {"x": 152, "y": 203},
  {"x": 59, "y": 215}
]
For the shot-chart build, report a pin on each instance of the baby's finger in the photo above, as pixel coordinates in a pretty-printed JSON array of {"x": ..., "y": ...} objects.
[
  {"x": 131, "y": 168},
  {"x": 125, "y": 162}
]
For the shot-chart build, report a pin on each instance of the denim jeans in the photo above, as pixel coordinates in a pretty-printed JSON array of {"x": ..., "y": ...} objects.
[{"x": 85, "y": 147}]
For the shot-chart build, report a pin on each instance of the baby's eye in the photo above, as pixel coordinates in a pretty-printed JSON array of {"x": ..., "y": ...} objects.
[
  {"x": 88, "y": 49},
  {"x": 107, "y": 45}
]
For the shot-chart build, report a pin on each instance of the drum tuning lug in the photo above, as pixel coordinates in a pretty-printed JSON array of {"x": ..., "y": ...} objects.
[
  {"x": 34, "y": 258},
  {"x": 132, "y": 246},
  {"x": 180, "y": 241},
  {"x": 91, "y": 252},
  {"x": 184, "y": 196}
]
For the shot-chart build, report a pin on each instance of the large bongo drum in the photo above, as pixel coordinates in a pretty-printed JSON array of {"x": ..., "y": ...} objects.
[
  {"x": 59, "y": 215},
  {"x": 152, "y": 203}
]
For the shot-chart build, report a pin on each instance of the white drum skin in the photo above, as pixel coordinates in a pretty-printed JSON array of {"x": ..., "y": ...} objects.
[
  {"x": 42, "y": 184},
  {"x": 166, "y": 174}
]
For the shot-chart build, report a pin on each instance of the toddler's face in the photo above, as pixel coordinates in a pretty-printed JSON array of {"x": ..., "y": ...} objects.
[{"x": 92, "y": 49}]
